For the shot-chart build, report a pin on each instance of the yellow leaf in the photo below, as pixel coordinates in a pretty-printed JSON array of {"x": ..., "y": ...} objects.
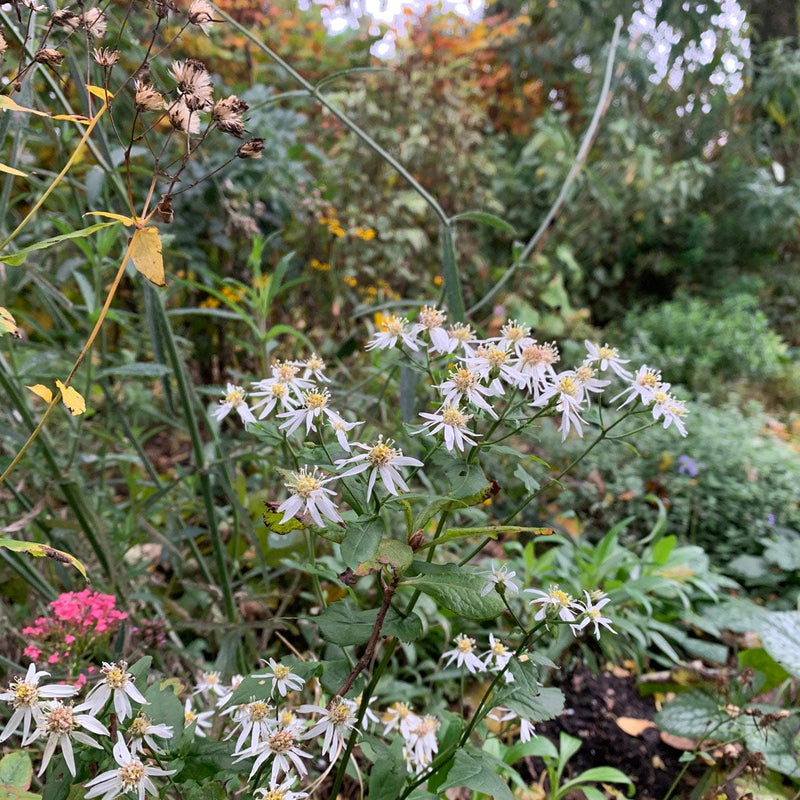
[
  {"x": 8, "y": 323},
  {"x": 99, "y": 91},
  {"x": 126, "y": 221},
  {"x": 8, "y": 104},
  {"x": 43, "y": 551},
  {"x": 72, "y": 399},
  {"x": 12, "y": 171},
  {"x": 146, "y": 254},
  {"x": 41, "y": 391},
  {"x": 633, "y": 726}
]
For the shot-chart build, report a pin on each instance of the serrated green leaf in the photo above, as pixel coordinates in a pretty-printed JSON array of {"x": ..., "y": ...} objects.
[
  {"x": 525, "y": 697},
  {"x": 16, "y": 770},
  {"x": 272, "y": 520},
  {"x": 388, "y": 776},
  {"x": 692, "y": 715},
  {"x": 780, "y": 635},
  {"x": 456, "y": 589},
  {"x": 391, "y": 553},
  {"x": 475, "y": 770},
  {"x": 361, "y": 540}
]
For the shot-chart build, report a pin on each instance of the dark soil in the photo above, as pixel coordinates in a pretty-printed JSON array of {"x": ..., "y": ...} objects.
[{"x": 594, "y": 703}]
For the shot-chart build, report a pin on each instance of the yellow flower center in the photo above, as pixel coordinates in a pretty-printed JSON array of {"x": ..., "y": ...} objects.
[
  {"x": 274, "y": 794},
  {"x": 139, "y": 726},
  {"x": 116, "y": 677},
  {"x": 315, "y": 400},
  {"x": 286, "y": 718},
  {"x": 660, "y": 396},
  {"x": 584, "y": 374},
  {"x": 339, "y": 712},
  {"x": 428, "y": 724},
  {"x": 60, "y": 720},
  {"x": 131, "y": 774},
  {"x": 561, "y": 597},
  {"x": 283, "y": 371},
  {"x": 499, "y": 649},
  {"x": 535, "y": 354},
  {"x": 607, "y": 352},
  {"x": 278, "y": 390},
  {"x": 305, "y": 483},
  {"x": 568, "y": 385},
  {"x": 393, "y": 325},
  {"x": 235, "y": 397},
  {"x": 25, "y": 694},
  {"x": 281, "y": 672},
  {"x": 461, "y": 332},
  {"x": 431, "y": 317},
  {"x": 464, "y": 379},
  {"x": 315, "y": 363},
  {"x": 465, "y": 644},
  {"x": 281, "y": 741},
  {"x": 259, "y": 710},
  {"x": 496, "y": 357},
  {"x": 651, "y": 379},
  {"x": 513, "y": 332},
  {"x": 381, "y": 454},
  {"x": 189, "y": 717},
  {"x": 455, "y": 418}
]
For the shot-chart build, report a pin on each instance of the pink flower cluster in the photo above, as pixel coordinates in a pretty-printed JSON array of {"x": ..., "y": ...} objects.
[{"x": 78, "y": 620}]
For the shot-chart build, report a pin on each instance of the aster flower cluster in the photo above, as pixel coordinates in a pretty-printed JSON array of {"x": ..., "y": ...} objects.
[{"x": 77, "y": 621}]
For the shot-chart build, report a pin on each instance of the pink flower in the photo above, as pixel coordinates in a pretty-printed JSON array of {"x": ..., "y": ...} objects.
[{"x": 32, "y": 652}]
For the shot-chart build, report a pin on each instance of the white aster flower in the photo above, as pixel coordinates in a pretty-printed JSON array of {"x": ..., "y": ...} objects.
[
  {"x": 555, "y": 601},
  {"x": 341, "y": 428},
  {"x": 282, "y": 677},
  {"x": 453, "y": 422},
  {"x": 130, "y": 776},
  {"x": 497, "y": 657},
  {"x": 591, "y": 613},
  {"x": 643, "y": 386},
  {"x": 467, "y": 383},
  {"x": 209, "y": 684},
  {"x": 280, "y": 791},
  {"x": 399, "y": 717},
  {"x": 60, "y": 724},
  {"x": 515, "y": 334},
  {"x": 464, "y": 654},
  {"x": 671, "y": 410},
  {"x": 314, "y": 367},
  {"x": 390, "y": 330},
  {"x": 608, "y": 358},
  {"x": 421, "y": 740},
  {"x": 274, "y": 393},
  {"x": 534, "y": 365},
  {"x": 585, "y": 376},
  {"x": 119, "y": 683},
  {"x": 234, "y": 399},
  {"x": 143, "y": 732},
  {"x": 431, "y": 319},
  {"x": 281, "y": 747},
  {"x": 570, "y": 393},
  {"x": 226, "y": 698},
  {"x": 308, "y": 494},
  {"x": 256, "y": 722},
  {"x": 501, "y": 714},
  {"x": 461, "y": 335},
  {"x": 333, "y": 724},
  {"x": 24, "y": 696},
  {"x": 494, "y": 360},
  {"x": 314, "y": 404},
  {"x": 500, "y": 579},
  {"x": 201, "y": 720},
  {"x": 384, "y": 460}
]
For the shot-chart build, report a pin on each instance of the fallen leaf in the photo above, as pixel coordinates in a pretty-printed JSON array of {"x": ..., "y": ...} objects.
[
  {"x": 678, "y": 742},
  {"x": 146, "y": 254},
  {"x": 41, "y": 391},
  {"x": 8, "y": 324},
  {"x": 72, "y": 399},
  {"x": 633, "y": 726},
  {"x": 11, "y": 171}
]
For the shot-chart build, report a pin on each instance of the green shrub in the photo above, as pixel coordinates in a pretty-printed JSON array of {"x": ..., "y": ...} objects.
[{"x": 699, "y": 343}]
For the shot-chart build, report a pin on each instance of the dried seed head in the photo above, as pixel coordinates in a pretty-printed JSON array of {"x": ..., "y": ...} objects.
[
  {"x": 94, "y": 23},
  {"x": 164, "y": 209},
  {"x": 194, "y": 83},
  {"x": 227, "y": 114},
  {"x": 3, "y": 44},
  {"x": 251, "y": 148},
  {"x": 183, "y": 118},
  {"x": 65, "y": 19},
  {"x": 147, "y": 98},
  {"x": 202, "y": 15},
  {"x": 49, "y": 56},
  {"x": 105, "y": 57}
]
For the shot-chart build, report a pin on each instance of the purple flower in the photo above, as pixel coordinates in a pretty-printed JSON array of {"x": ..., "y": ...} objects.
[{"x": 688, "y": 466}]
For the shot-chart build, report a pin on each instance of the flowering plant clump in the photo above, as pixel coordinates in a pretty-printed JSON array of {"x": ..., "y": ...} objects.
[{"x": 80, "y": 623}]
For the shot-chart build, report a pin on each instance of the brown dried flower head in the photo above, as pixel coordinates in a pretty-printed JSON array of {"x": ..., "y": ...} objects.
[
  {"x": 147, "y": 98},
  {"x": 202, "y": 15},
  {"x": 65, "y": 18},
  {"x": 183, "y": 118},
  {"x": 94, "y": 23},
  {"x": 3, "y": 44},
  {"x": 194, "y": 83},
  {"x": 105, "y": 57},
  {"x": 49, "y": 56},
  {"x": 227, "y": 113},
  {"x": 251, "y": 148}
]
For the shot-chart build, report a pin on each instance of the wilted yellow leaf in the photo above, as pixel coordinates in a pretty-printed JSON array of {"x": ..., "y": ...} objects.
[
  {"x": 41, "y": 391},
  {"x": 72, "y": 399},
  {"x": 12, "y": 171},
  {"x": 10, "y": 105},
  {"x": 43, "y": 551},
  {"x": 99, "y": 91},
  {"x": 633, "y": 726},
  {"x": 126, "y": 221},
  {"x": 146, "y": 254},
  {"x": 7, "y": 323}
]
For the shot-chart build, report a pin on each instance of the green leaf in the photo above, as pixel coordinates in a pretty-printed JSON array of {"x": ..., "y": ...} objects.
[
  {"x": 537, "y": 746},
  {"x": 389, "y": 773},
  {"x": 390, "y": 553},
  {"x": 43, "y": 551},
  {"x": 597, "y": 775},
  {"x": 485, "y": 218},
  {"x": 165, "y": 708},
  {"x": 780, "y": 634},
  {"x": 526, "y": 697},
  {"x": 140, "y": 369},
  {"x": 15, "y": 259},
  {"x": 456, "y": 589},
  {"x": 531, "y": 485},
  {"x": 475, "y": 770},
  {"x": 16, "y": 770},
  {"x": 340, "y": 623},
  {"x": 758, "y": 659},
  {"x": 272, "y": 519},
  {"x": 692, "y": 715},
  {"x": 361, "y": 541}
]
